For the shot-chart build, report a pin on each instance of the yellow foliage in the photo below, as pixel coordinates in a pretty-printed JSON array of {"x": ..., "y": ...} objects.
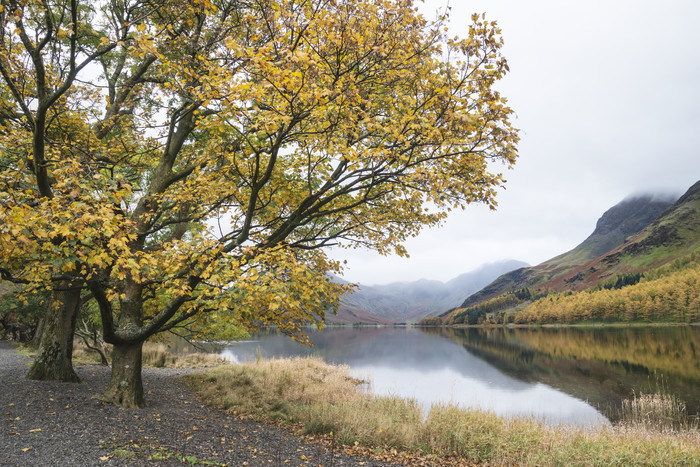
[
  {"x": 663, "y": 295},
  {"x": 196, "y": 180}
]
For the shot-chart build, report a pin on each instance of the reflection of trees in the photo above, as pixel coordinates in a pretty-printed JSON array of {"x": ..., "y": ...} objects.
[
  {"x": 600, "y": 365},
  {"x": 383, "y": 347}
]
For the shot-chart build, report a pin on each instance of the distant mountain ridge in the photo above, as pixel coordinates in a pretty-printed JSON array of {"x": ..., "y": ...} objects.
[
  {"x": 616, "y": 224},
  {"x": 637, "y": 234},
  {"x": 411, "y": 301}
]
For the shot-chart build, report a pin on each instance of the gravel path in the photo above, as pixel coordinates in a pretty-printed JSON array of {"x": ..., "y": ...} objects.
[{"x": 60, "y": 424}]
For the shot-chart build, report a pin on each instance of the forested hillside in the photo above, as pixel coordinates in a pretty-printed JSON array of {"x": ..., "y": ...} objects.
[
  {"x": 651, "y": 276},
  {"x": 667, "y": 294},
  {"x": 614, "y": 227}
]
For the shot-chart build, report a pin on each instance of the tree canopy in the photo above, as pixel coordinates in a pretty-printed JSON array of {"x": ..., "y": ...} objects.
[{"x": 187, "y": 161}]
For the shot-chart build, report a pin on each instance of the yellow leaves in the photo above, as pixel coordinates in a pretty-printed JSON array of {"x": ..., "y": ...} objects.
[
  {"x": 63, "y": 230},
  {"x": 362, "y": 106}
]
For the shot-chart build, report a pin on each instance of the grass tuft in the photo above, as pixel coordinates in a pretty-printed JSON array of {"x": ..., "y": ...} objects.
[{"x": 656, "y": 412}]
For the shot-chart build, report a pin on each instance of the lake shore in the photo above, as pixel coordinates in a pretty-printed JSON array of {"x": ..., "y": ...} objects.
[
  {"x": 268, "y": 414},
  {"x": 50, "y": 423},
  {"x": 556, "y": 325},
  {"x": 327, "y": 401}
]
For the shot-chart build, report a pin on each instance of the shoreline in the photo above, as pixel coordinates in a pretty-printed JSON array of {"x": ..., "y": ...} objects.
[
  {"x": 51, "y": 423},
  {"x": 329, "y": 403},
  {"x": 509, "y": 325}
]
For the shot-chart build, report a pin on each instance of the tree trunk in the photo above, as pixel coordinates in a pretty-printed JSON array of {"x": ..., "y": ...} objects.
[
  {"x": 36, "y": 340},
  {"x": 126, "y": 387},
  {"x": 54, "y": 359}
]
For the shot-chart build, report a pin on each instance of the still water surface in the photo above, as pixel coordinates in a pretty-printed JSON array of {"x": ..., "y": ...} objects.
[{"x": 567, "y": 375}]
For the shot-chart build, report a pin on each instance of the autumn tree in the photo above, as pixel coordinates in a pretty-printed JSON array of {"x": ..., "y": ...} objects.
[
  {"x": 196, "y": 157},
  {"x": 41, "y": 120}
]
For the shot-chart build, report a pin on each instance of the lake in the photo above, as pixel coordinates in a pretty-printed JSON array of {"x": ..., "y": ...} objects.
[{"x": 564, "y": 375}]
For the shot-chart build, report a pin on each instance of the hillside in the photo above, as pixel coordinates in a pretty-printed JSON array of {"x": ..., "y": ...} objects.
[
  {"x": 637, "y": 235},
  {"x": 670, "y": 293},
  {"x": 351, "y": 314},
  {"x": 411, "y": 301},
  {"x": 674, "y": 234}
]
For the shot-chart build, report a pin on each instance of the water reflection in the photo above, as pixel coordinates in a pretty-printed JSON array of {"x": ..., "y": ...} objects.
[
  {"x": 428, "y": 367},
  {"x": 600, "y": 365}
]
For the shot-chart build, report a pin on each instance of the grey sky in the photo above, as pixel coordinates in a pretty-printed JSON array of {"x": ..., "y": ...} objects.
[{"x": 607, "y": 97}]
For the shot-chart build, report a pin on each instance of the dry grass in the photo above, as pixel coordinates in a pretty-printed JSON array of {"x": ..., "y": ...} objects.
[
  {"x": 158, "y": 356},
  {"x": 326, "y": 399},
  {"x": 155, "y": 355},
  {"x": 657, "y": 412}
]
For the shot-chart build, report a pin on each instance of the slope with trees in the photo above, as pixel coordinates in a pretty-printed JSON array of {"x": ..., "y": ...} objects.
[
  {"x": 672, "y": 236},
  {"x": 667, "y": 294},
  {"x": 183, "y": 164},
  {"x": 614, "y": 227}
]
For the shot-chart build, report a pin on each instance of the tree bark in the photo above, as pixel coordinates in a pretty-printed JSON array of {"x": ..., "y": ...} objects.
[
  {"x": 125, "y": 388},
  {"x": 54, "y": 360}
]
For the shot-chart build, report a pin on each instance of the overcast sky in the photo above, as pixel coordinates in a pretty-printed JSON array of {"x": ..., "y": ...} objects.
[{"x": 607, "y": 98}]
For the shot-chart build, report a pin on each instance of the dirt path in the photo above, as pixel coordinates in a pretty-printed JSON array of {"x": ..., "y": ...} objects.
[{"x": 60, "y": 424}]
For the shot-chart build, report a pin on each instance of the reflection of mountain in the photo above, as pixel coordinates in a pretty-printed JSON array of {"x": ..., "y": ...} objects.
[
  {"x": 428, "y": 368},
  {"x": 600, "y": 365},
  {"x": 382, "y": 347}
]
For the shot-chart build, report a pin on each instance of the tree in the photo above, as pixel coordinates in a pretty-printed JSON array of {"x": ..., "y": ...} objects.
[
  {"x": 19, "y": 315},
  {"x": 237, "y": 141},
  {"x": 42, "y": 55}
]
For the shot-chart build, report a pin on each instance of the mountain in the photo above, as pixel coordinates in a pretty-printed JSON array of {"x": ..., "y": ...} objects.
[
  {"x": 615, "y": 226},
  {"x": 350, "y": 313},
  {"x": 671, "y": 236},
  {"x": 638, "y": 234},
  {"x": 411, "y": 301}
]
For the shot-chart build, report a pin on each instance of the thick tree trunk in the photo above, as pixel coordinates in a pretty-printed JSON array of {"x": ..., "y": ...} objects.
[
  {"x": 126, "y": 387},
  {"x": 54, "y": 359}
]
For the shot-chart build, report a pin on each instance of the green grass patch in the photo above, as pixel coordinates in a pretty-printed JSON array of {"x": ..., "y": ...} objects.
[{"x": 325, "y": 399}]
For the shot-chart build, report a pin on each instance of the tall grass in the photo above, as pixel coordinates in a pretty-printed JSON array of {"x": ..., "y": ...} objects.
[
  {"x": 661, "y": 412},
  {"x": 324, "y": 399}
]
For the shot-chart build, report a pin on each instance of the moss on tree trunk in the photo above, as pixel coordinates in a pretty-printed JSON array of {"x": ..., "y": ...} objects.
[
  {"x": 125, "y": 387},
  {"x": 54, "y": 360}
]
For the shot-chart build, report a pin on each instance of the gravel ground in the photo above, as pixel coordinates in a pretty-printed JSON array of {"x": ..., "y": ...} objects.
[{"x": 60, "y": 424}]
